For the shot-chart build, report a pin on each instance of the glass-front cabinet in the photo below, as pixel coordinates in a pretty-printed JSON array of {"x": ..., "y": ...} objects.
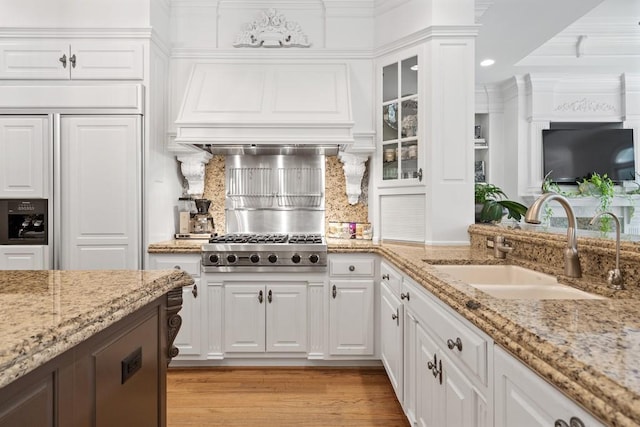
[{"x": 400, "y": 148}]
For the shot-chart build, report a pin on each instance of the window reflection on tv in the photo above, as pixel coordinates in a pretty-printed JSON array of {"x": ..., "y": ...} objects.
[{"x": 570, "y": 155}]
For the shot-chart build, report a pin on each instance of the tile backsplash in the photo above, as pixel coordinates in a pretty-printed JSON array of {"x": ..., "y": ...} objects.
[{"x": 337, "y": 207}]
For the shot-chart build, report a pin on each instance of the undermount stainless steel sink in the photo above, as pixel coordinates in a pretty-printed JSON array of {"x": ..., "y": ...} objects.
[{"x": 513, "y": 282}]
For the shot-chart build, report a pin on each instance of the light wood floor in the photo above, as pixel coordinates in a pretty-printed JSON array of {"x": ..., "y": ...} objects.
[{"x": 303, "y": 397}]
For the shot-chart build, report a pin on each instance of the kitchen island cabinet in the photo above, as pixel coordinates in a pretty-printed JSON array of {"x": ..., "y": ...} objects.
[{"x": 87, "y": 348}]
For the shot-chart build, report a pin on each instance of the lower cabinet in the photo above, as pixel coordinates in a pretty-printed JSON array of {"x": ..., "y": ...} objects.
[
  {"x": 392, "y": 338},
  {"x": 190, "y": 338},
  {"x": 265, "y": 318},
  {"x": 351, "y": 326},
  {"x": 523, "y": 398}
]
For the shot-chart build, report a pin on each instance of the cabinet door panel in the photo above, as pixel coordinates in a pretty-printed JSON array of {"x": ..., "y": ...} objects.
[
  {"x": 351, "y": 317},
  {"x": 22, "y": 257},
  {"x": 244, "y": 318},
  {"x": 40, "y": 60},
  {"x": 107, "y": 60},
  {"x": 24, "y": 157},
  {"x": 100, "y": 192},
  {"x": 286, "y": 318},
  {"x": 391, "y": 338},
  {"x": 189, "y": 340}
]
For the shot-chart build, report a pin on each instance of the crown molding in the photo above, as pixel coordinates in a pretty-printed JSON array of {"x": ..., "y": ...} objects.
[
  {"x": 432, "y": 32},
  {"x": 72, "y": 33},
  {"x": 252, "y": 54}
]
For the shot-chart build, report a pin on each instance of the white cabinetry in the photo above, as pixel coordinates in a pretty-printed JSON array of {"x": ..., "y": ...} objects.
[
  {"x": 24, "y": 156},
  {"x": 351, "y": 305},
  {"x": 271, "y": 318},
  {"x": 523, "y": 398},
  {"x": 23, "y": 257},
  {"x": 79, "y": 60},
  {"x": 100, "y": 192},
  {"x": 450, "y": 371},
  {"x": 392, "y": 328},
  {"x": 189, "y": 340}
]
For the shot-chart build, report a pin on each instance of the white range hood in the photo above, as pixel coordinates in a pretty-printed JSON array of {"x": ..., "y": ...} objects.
[{"x": 260, "y": 102}]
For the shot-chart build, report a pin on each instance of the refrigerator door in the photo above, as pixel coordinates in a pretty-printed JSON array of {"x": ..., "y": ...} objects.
[{"x": 99, "y": 192}]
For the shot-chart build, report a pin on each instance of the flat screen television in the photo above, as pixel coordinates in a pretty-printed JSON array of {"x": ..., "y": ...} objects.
[{"x": 569, "y": 155}]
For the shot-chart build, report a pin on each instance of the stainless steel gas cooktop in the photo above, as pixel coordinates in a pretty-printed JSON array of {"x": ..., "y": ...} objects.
[{"x": 265, "y": 252}]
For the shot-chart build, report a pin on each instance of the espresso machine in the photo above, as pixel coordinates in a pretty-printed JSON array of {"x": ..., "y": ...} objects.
[{"x": 195, "y": 220}]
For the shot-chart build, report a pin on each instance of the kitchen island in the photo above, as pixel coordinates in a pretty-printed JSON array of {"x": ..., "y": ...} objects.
[
  {"x": 585, "y": 348},
  {"x": 87, "y": 347}
]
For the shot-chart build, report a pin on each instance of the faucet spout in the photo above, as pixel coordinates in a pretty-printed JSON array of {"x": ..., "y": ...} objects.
[
  {"x": 614, "y": 277},
  {"x": 571, "y": 259}
]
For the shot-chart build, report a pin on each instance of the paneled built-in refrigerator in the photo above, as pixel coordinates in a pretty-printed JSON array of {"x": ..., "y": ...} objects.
[{"x": 89, "y": 169}]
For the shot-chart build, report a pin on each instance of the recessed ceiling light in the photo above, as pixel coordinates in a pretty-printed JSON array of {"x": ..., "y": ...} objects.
[
  {"x": 414, "y": 67},
  {"x": 487, "y": 62}
]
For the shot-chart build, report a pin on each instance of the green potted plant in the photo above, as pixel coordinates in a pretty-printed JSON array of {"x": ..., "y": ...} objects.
[{"x": 491, "y": 204}]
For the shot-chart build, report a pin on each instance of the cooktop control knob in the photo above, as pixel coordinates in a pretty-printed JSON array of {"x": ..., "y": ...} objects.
[
  {"x": 273, "y": 258},
  {"x": 254, "y": 258},
  {"x": 314, "y": 258},
  {"x": 295, "y": 258},
  {"x": 214, "y": 259},
  {"x": 232, "y": 258}
]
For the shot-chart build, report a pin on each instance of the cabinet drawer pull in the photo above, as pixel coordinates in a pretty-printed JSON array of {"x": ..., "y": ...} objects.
[
  {"x": 72, "y": 59},
  {"x": 575, "y": 422},
  {"x": 269, "y": 296},
  {"x": 385, "y": 277},
  {"x": 260, "y": 297},
  {"x": 435, "y": 367},
  {"x": 194, "y": 291},
  {"x": 334, "y": 291},
  {"x": 454, "y": 344},
  {"x": 177, "y": 267},
  {"x": 396, "y": 316},
  {"x": 407, "y": 296},
  {"x": 63, "y": 59},
  {"x": 560, "y": 423},
  {"x": 352, "y": 268}
]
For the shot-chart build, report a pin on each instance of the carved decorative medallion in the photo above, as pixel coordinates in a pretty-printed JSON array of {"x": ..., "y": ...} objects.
[
  {"x": 174, "y": 321},
  {"x": 586, "y": 106},
  {"x": 271, "y": 29}
]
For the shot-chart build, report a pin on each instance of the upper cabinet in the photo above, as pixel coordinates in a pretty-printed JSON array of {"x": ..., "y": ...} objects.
[
  {"x": 76, "y": 60},
  {"x": 399, "y": 125}
]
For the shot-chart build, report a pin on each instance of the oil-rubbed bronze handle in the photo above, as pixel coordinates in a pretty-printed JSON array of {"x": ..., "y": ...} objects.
[
  {"x": 575, "y": 422},
  {"x": 419, "y": 175},
  {"x": 430, "y": 365},
  {"x": 63, "y": 59},
  {"x": 385, "y": 277},
  {"x": 454, "y": 344},
  {"x": 405, "y": 296},
  {"x": 72, "y": 59},
  {"x": 560, "y": 423},
  {"x": 334, "y": 292},
  {"x": 177, "y": 267},
  {"x": 194, "y": 291},
  {"x": 260, "y": 297},
  {"x": 269, "y": 296},
  {"x": 352, "y": 268}
]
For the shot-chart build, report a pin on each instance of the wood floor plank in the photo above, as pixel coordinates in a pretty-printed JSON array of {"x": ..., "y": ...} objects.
[{"x": 274, "y": 397}]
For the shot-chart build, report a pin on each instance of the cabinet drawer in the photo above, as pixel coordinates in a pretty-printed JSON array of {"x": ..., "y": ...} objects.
[
  {"x": 460, "y": 341},
  {"x": 188, "y": 263},
  {"x": 351, "y": 267},
  {"x": 391, "y": 277}
]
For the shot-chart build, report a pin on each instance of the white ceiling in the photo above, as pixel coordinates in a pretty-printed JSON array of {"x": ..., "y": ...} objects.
[{"x": 588, "y": 36}]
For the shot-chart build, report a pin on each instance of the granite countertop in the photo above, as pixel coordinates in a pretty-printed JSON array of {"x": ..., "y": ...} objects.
[
  {"x": 44, "y": 313},
  {"x": 587, "y": 348}
]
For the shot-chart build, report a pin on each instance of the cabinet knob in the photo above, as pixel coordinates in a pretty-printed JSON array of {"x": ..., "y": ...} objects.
[
  {"x": 334, "y": 291},
  {"x": 72, "y": 59},
  {"x": 177, "y": 267},
  {"x": 385, "y": 277},
  {"x": 419, "y": 174},
  {"x": 194, "y": 291},
  {"x": 560, "y": 423},
  {"x": 63, "y": 60},
  {"x": 405, "y": 296},
  {"x": 454, "y": 344},
  {"x": 575, "y": 422},
  {"x": 352, "y": 268},
  {"x": 394, "y": 316}
]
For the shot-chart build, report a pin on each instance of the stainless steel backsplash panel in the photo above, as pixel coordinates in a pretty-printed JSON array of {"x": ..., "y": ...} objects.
[{"x": 275, "y": 193}]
